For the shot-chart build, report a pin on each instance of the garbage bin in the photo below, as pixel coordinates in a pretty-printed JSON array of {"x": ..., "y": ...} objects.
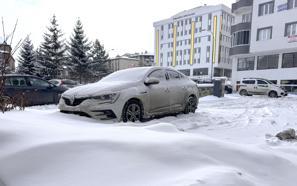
[{"x": 218, "y": 88}]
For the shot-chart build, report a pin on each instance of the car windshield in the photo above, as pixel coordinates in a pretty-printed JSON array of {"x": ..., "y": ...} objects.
[
  {"x": 269, "y": 82},
  {"x": 133, "y": 74}
]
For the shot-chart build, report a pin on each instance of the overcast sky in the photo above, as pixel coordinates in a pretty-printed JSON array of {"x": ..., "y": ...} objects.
[{"x": 121, "y": 25}]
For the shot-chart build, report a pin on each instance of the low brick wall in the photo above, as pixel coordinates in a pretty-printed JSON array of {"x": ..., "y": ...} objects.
[{"x": 205, "y": 89}]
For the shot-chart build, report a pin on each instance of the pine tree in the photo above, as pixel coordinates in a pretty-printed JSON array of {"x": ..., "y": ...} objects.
[
  {"x": 99, "y": 60},
  {"x": 52, "y": 52},
  {"x": 79, "y": 57},
  {"x": 27, "y": 58}
]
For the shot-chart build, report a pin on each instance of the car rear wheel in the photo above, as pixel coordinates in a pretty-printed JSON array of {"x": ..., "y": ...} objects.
[
  {"x": 272, "y": 94},
  {"x": 191, "y": 105},
  {"x": 243, "y": 92},
  {"x": 132, "y": 112}
]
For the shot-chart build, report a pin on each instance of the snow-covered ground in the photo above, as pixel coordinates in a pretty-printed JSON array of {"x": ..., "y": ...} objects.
[{"x": 222, "y": 144}]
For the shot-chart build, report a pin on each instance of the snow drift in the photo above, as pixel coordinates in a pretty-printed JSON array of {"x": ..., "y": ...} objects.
[{"x": 41, "y": 147}]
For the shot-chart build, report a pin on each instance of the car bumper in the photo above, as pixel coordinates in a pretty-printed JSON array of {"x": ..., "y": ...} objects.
[{"x": 93, "y": 108}]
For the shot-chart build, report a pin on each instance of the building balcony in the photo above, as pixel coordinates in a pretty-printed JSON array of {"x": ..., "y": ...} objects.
[
  {"x": 241, "y": 49},
  {"x": 241, "y": 26},
  {"x": 240, "y": 4}
]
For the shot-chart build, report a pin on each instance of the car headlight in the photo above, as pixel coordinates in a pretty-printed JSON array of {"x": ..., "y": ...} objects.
[{"x": 107, "y": 98}]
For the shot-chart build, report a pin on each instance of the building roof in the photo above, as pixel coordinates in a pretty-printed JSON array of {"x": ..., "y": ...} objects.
[{"x": 200, "y": 10}]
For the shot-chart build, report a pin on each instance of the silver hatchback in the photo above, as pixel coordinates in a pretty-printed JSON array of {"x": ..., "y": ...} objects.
[{"x": 133, "y": 95}]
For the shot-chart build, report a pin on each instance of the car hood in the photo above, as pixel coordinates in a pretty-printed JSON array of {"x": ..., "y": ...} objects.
[{"x": 99, "y": 88}]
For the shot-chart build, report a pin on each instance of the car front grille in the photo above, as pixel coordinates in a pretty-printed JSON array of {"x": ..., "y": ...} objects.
[{"x": 76, "y": 101}]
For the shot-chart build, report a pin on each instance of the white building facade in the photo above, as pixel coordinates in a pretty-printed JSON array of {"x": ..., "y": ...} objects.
[
  {"x": 196, "y": 42},
  {"x": 264, "y": 41}
]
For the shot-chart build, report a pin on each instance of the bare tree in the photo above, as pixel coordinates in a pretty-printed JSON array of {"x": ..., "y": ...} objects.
[{"x": 6, "y": 53}]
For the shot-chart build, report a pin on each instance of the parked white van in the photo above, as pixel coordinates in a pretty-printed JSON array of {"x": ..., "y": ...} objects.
[{"x": 259, "y": 86}]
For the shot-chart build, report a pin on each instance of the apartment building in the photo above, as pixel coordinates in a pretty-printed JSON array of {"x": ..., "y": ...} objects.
[
  {"x": 196, "y": 42},
  {"x": 264, "y": 41}
]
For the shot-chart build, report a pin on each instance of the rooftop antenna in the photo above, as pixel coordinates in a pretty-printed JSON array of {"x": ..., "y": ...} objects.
[
  {"x": 3, "y": 30},
  {"x": 16, "y": 23}
]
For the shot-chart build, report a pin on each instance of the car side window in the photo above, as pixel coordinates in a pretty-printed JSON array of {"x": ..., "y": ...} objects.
[
  {"x": 261, "y": 82},
  {"x": 250, "y": 82},
  {"x": 38, "y": 82},
  {"x": 173, "y": 75},
  {"x": 16, "y": 81},
  {"x": 159, "y": 74},
  {"x": 8, "y": 82}
]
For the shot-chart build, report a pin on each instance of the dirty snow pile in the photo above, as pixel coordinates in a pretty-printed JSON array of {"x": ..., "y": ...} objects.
[{"x": 219, "y": 145}]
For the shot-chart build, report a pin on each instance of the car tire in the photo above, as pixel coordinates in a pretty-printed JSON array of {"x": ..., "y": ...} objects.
[
  {"x": 243, "y": 92},
  {"x": 272, "y": 94},
  {"x": 191, "y": 105},
  {"x": 132, "y": 111}
]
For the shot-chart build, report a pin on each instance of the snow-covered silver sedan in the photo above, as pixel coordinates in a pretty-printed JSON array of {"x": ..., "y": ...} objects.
[{"x": 133, "y": 95}]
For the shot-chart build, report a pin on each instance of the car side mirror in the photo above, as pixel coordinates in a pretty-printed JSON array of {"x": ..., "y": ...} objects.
[{"x": 151, "y": 81}]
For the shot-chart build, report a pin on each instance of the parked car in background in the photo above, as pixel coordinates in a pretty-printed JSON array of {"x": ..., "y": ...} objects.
[
  {"x": 227, "y": 87},
  {"x": 259, "y": 86},
  {"x": 133, "y": 94},
  {"x": 67, "y": 83},
  {"x": 32, "y": 90}
]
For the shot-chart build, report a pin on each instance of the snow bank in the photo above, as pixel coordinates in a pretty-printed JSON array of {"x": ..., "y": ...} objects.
[
  {"x": 163, "y": 127},
  {"x": 136, "y": 156},
  {"x": 222, "y": 144}
]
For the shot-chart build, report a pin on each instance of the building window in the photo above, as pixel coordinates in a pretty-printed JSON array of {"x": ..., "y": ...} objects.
[
  {"x": 289, "y": 60},
  {"x": 241, "y": 38},
  {"x": 246, "y": 64},
  {"x": 291, "y": 29},
  {"x": 289, "y": 85},
  {"x": 186, "y": 72},
  {"x": 266, "y": 8},
  {"x": 209, "y": 22},
  {"x": 264, "y": 34},
  {"x": 267, "y": 62},
  {"x": 208, "y": 38},
  {"x": 208, "y": 54},
  {"x": 200, "y": 71},
  {"x": 246, "y": 18},
  {"x": 292, "y": 4}
]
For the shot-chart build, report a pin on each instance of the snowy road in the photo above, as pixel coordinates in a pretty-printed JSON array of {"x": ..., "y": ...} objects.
[{"x": 223, "y": 143}]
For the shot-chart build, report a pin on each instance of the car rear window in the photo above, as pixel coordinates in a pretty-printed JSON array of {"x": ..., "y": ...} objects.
[
  {"x": 248, "y": 81},
  {"x": 69, "y": 82}
]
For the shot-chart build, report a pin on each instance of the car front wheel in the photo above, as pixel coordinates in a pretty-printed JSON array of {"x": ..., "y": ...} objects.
[
  {"x": 272, "y": 94},
  {"x": 243, "y": 93},
  {"x": 132, "y": 112},
  {"x": 191, "y": 105}
]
